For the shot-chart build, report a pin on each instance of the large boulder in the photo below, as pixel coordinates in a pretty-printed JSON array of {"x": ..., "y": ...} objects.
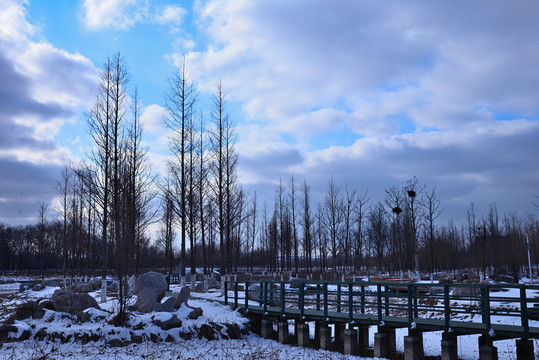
[
  {"x": 83, "y": 287},
  {"x": 150, "y": 289},
  {"x": 72, "y": 303}
]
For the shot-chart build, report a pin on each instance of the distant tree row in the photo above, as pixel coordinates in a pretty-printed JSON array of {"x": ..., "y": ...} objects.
[{"x": 205, "y": 219}]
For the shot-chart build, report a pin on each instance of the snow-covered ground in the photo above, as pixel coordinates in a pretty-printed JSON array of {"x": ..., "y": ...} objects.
[{"x": 248, "y": 347}]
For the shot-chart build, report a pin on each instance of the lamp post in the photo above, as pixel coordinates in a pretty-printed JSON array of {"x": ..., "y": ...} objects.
[
  {"x": 529, "y": 258},
  {"x": 412, "y": 194},
  {"x": 397, "y": 210}
]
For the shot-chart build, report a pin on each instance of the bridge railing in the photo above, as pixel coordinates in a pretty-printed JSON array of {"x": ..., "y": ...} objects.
[{"x": 411, "y": 301}]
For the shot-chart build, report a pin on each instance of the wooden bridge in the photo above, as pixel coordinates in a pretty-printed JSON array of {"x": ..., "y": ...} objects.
[{"x": 494, "y": 311}]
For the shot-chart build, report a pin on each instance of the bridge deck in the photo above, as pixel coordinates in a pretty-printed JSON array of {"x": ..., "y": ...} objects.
[{"x": 426, "y": 307}]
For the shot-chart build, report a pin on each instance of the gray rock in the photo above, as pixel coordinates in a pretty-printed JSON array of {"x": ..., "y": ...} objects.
[
  {"x": 167, "y": 306},
  {"x": 150, "y": 289},
  {"x": 83, "y": 288},
  {"x": 171, "y": 323},
  {"x": 38, "y": 287},
  {"x": 24, "y": 287},
  {"x": 72, "y": 303},
  {"x": 5, "y": 330},
  {"x": 182, "y": 297},
  {"x": 465, "y": 291},
  {"x": 212, "y": 283},
  {"x": 193, "y": 315}
]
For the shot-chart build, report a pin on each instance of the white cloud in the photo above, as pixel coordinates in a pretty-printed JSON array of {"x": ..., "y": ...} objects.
[
  {"x": 113, "y": 14},
  {"x": 171, "y": 14},
  {"x": 42, "y": 89},
  {"x": 153, "y": 118}
]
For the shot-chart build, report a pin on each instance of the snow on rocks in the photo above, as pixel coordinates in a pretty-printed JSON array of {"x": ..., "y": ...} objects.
[
  {"x": 150, "y": 289},
  {"x": 54, "y": 317}
]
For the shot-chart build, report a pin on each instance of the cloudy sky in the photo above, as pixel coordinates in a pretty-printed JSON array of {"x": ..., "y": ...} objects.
[{"x": 371, "y": 93}]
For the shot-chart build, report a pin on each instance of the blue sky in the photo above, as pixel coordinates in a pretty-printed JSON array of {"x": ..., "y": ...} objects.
[{"x": 370, "y": 93}]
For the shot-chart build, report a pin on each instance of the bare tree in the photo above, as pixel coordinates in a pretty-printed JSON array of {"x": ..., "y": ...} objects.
[
  {"x": 307, "y": 224},
  {"x": 181, "y": 99},
  {"x": 223, "y": 167},
  {"x": 333, "y": 217},
  {"x": 431, "y": 205}
]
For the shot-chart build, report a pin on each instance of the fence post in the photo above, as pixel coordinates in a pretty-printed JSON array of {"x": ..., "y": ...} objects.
[
  {"x": 325, "y": 301},
  {"x": 339, "y": 297},
  {"x": 265, "y": 297},
  {"x": 302, "y": 300},
  {"x": 282, "y": 298},
  {"x": 386, "y": 299},
  {"x": 447, "y": 307},
  {"x": 379, "y": 302},
  {"x": 246, "y": 295},
  {"x": 351, "y": 302},
  {"x": 363, "y": 298},
  {"x": 225, "y": 290},
  {"x": 235, "y": 294},
  {"x": 410, "y": 306},
  {"x": 524, "y": 311}
]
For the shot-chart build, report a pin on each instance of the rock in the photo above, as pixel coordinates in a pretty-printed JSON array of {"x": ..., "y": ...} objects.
[
  {"x": 195, "y": 313},
  {"x": 182, "y": 297},
  {"x": 171, "y": 323},
  {"x": 96, "y": 283},
  {"x": 206, "y": 331},
  {"x": 150, "y": 289},
  {"x": 5, "y": 330},
  {"x": 169, "y": 338},
  {"x": 24, "y": 287},
  {"x": 233, "y": 331},
  {"x": 465, "y": 291},
  {"x": 72, "y": 303},
  {"x": 32, "y": 309},
  {"x": 83, "y": 288},
  {"x": 212, "y": 283},
  {"x": 115, "y": 343},
  {"x": 167, "y": 306},
  {"x": 38, "y": 287},
  {"x": 137, "y": 339}
]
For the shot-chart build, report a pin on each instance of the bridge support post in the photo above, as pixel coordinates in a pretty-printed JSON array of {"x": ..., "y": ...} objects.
[
  {"x": 488, "y": 352},
  {"x": 283, "y": 332},
  {"x": 325, "y": 337},
  {"x": 381, "y": 345},
  {"x": 363, "y": 336},
  {"x": 339, "y": 333},
  {"x": 266, "y": 328},
  {"x": 317, "y": 326},
  {"x": 449, "y": 346},
  {"x": 525, "y": 349},
  {"x": 412, "y": 347},
  {"x": 391, "y": 340},
  {"x": 350, "y": 342},
  {"x": 303, "y": 334}
]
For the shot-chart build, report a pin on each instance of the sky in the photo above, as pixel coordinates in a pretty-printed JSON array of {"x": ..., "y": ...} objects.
[{"x": 369, "y": 93}]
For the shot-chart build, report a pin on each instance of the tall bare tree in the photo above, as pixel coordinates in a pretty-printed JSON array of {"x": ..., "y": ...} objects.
[{"x": 180, "y": 99}]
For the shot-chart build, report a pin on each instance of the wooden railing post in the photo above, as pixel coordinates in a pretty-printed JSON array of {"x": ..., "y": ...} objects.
[
  {"x": 225, "y": 284},
  {"x": 410, "y": 306},
  {"x": 386, "y": 299},
  {"x": 350, "y": 303},
  {"x": 282, "y": 298},
  {"x": 246, "y": 295},
  {"x": 266, "y": 298},
  {"x": 447, "y": 307},
  {"x": 338, "y": 297},
  {"x": 302, "y": 300},
  {"x": 524, "y": 311},
  {"x": 325, "y": 301},
  {"x": 379, "y": 302},
  {"x": 235, "y": 295},
  {"x": 318, "y": 297},
  {"x": 363, "y": 298}
]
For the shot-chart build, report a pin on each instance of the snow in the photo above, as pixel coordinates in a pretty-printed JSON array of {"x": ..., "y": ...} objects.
[{"x": 249, "y": 347}]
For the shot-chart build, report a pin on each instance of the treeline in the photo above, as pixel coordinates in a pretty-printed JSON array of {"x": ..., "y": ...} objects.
[{"x": 109, "y": 207}]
